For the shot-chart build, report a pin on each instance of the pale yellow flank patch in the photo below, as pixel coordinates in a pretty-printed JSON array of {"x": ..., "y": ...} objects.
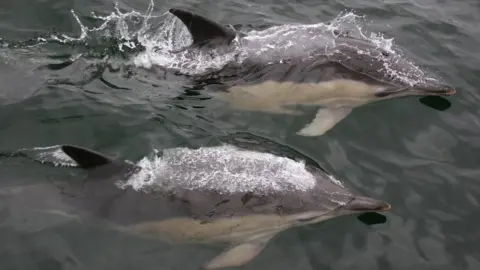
[
  {"x": 272, "y": 96},
  {"x": 335, "y": 98},
  {"x": 230, "y": 229}
]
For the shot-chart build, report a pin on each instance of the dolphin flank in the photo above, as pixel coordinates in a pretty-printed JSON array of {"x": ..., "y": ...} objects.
[{"x": 305, "y": 66}]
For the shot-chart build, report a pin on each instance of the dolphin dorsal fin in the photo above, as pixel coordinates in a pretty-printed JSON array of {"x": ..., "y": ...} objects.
[
  {"x": 202, "y": 29},
  {"x": 86, "y": 158}
]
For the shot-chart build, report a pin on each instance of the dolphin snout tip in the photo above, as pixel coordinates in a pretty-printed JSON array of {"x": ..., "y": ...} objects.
[
  {"x": 435, "y": 89},
  {"x": 386, "y": 207},
  {"x": 364, "y": 204},
  {"x": 447, "y": 90},
  {"x": 451, "y": 91}
]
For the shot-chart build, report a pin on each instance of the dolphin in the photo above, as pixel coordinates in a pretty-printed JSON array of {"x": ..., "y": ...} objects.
[
  {"x": 280, "y": 69},
  {"x": 220, "y": 194}
]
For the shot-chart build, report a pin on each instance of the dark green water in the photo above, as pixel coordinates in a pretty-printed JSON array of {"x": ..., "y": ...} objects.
[{"x": 422, "y": 161}]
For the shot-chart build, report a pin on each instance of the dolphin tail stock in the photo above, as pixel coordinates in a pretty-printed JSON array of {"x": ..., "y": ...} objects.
[{"x": 204, "y": 30}]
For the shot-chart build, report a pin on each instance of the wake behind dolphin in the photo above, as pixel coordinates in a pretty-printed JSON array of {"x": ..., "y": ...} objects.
[
  {"x": 220, "y": 194},
  {"x": 305, "y": 66}
]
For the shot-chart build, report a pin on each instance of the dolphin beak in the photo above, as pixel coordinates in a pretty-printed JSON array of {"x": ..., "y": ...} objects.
[
  {"x": 365, "y": 204},
  {"x": 426, "y": 89}
]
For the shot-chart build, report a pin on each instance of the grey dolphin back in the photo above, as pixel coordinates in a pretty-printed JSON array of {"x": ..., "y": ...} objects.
[{"x": 204, "y": 30}]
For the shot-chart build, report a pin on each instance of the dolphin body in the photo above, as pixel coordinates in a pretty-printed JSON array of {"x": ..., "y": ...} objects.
[
  {"x": 307, "y": 66},
  {"x": 220, "y": 194}
]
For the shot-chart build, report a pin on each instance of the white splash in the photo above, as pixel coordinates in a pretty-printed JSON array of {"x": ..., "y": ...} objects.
[
  {"x": 224, "y": 169},
  {"x": 50, "y": 154},
  {"x": 163, "y": 34}
]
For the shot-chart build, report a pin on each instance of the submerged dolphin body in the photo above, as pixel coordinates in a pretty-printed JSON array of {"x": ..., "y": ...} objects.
[
  {"x": 214, "y": 194},
  {"x": 305, "y": 65}
]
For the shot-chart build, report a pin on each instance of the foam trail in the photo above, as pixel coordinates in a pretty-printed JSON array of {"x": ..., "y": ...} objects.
[
  {"x": 163, "y": 34},
  {"x": 225, "y": 169},
  {"x": 155, "y": 38},
  {"x": 49, "y": 154}
]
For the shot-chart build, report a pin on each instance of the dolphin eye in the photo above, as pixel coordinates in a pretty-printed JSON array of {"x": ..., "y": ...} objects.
[{"x": 384, "y": 53}]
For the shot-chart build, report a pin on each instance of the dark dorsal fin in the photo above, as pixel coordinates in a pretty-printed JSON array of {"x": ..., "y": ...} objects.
[
  {"x": 202, "y": 29},
  {"x": 86, "y": 158}
]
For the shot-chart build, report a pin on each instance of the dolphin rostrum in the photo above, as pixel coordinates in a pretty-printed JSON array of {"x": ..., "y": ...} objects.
[
  {"x": 220, "y": 194},
  {"x": 277, "y": 69}
]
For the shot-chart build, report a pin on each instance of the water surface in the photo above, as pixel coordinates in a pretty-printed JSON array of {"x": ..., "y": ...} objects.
[{"x": 62, "y": 84}]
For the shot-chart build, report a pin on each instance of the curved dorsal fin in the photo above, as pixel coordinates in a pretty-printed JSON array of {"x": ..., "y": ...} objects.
[
  {"x": 86, "y": 158},
  {"x": 202, "y": 29}
]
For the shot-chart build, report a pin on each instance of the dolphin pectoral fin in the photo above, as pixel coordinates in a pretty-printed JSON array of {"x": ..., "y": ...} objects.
[
  {"x": 236, "y": 256},
  {"x": 325, "y": 119},
  {"x": 240, "y": 254},
  {"x": 203, "y": 30}
]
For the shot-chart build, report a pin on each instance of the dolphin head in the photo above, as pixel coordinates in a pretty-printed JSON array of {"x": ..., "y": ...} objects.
[
  {"x": 401, "y": 76},
  {"x": 329, "y": 200},
  {"x": 357, "y": 205}
]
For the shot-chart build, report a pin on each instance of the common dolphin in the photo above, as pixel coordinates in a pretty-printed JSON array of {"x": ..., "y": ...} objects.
[
  {"x": 279, "y": 68},
  {"x": 220, "y": 194}
]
